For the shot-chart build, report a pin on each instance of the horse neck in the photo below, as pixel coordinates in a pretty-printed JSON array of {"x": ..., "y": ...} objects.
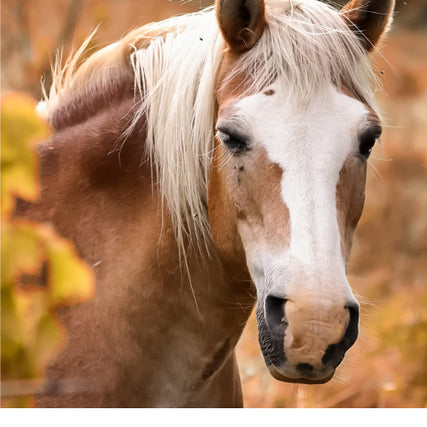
[{"x": 103, "y": 196}]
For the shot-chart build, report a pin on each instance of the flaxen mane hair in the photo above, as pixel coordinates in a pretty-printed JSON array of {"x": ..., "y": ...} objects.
[{"x": 174, "y": 65}]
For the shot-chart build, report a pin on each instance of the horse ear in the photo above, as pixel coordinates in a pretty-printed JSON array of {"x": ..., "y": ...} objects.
[
  {"x": 241, "y": 22},
  {"x": 369, "y": 19}
]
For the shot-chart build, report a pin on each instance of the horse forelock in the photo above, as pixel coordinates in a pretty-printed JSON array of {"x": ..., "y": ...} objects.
[
  {"x": 310, "y": 45},
  {"x": 170, "y": 68}
]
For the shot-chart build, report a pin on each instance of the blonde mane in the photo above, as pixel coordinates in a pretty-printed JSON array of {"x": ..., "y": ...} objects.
[{"x": 174, "y": 65}]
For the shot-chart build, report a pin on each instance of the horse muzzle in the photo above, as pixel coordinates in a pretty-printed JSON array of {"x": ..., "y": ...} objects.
[{"x": 304, "y": 340}]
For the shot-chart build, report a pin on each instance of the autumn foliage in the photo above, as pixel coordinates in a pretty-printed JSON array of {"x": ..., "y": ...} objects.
[
  {"x": 387, "y": 367},
  {"x": 39, "y": 269}
]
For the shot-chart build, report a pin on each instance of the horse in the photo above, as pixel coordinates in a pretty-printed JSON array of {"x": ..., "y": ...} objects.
[{"x": 201, "y": 166}]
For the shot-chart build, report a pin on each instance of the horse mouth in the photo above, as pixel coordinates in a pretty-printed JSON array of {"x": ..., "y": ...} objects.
[{"x": 275, "y": 373}]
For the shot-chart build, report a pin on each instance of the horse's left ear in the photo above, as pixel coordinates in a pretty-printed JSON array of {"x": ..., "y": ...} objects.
[
  {"x": 241, "y": 22},
  {"x": 369, "y": 19}
]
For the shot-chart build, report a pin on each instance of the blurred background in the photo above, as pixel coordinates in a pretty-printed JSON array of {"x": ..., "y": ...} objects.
[{"x": 388, "y": 268}]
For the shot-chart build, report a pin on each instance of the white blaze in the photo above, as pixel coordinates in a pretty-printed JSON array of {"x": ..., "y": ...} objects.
[{"x": 311, "y": 145}]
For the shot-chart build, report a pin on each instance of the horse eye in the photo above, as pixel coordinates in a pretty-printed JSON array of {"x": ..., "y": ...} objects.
[
  {"x": 367, "y": 140},
  {"x": 233, "y": 143}
]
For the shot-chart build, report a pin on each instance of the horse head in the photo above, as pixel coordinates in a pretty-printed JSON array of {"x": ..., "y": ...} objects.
[{"x": 295, "y": 125}]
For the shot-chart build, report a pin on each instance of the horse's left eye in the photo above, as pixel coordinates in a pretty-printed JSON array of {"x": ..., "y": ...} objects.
[
  {"x": 233, "y": 143},
  {"x": 367, "y": 140}
]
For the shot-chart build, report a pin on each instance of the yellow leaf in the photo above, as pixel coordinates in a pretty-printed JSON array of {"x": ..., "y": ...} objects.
[
  {"x": 30, "y": 335},
  {"x": 21, "y": 128},
  {"x": 39, "y": 269},
  {"x": 70, "y": 279},
  {"x": 21, "y": 250}
]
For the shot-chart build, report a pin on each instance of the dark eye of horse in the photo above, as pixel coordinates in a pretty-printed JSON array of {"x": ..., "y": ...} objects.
[
  {"x": 367, "y": 140},
  {"x": 233, "y": 143}
]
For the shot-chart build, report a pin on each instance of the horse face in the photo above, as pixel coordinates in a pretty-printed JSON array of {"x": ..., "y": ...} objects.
[
  {"x": 295, "y": 183},
  {"x": 286, "y": 193}
]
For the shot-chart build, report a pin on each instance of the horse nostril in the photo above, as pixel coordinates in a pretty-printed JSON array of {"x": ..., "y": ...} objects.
[
  {"x": 352, "y": 330},
  {"x": 334, "y": 354},
  {"x": 275, "y": 315}
]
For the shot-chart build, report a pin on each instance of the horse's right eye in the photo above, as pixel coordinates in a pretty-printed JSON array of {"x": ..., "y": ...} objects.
[{"x": 233, "y": 143}]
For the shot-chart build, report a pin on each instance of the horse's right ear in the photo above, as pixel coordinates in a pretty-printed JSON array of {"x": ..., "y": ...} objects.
[
  {"x": 369, "y": 19},
  {"x": 241, "y": 22}
]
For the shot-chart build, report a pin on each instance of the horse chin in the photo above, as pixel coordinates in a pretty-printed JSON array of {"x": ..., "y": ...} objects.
[{"x": 275, "y": 373}]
